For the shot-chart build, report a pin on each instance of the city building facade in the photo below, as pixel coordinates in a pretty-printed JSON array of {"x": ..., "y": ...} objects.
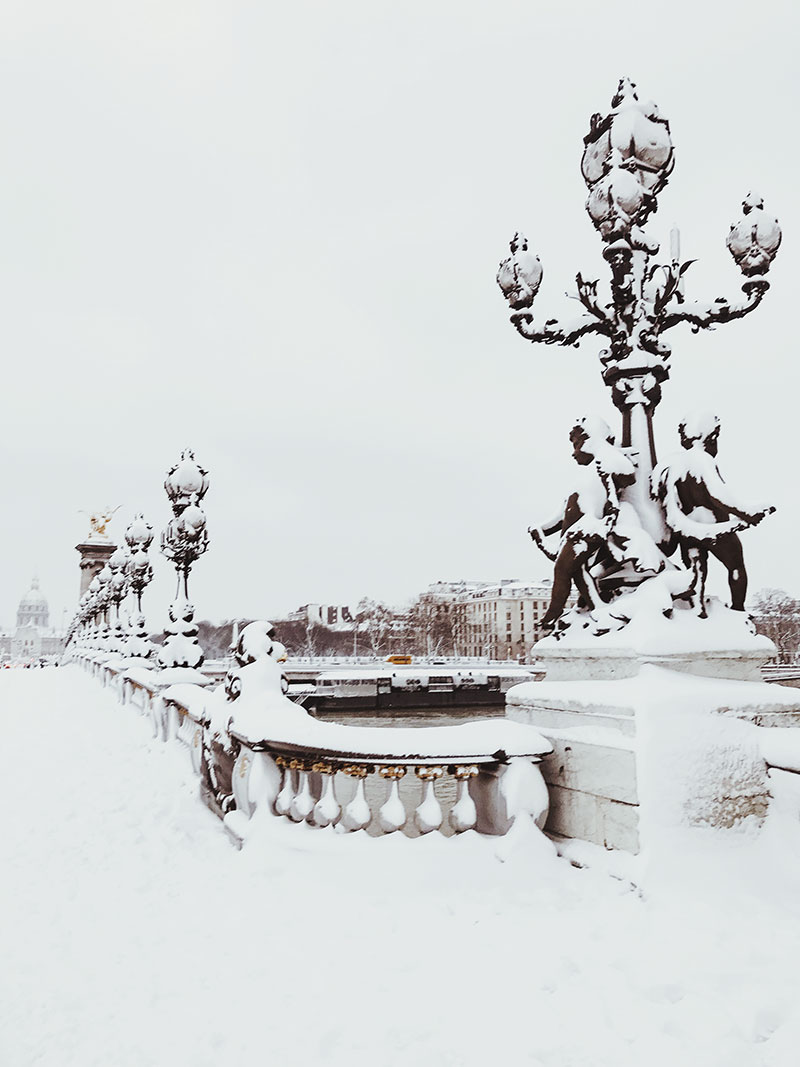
[
  {"x": 490, "y": 620},
  {"x": 33, "y": 637},
  {"x": 333, "y": 616},
  {"x": 502, "y": 620}
]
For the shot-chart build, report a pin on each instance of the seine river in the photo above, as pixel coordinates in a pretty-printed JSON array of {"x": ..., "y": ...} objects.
[{"x": 433, "y": 717}]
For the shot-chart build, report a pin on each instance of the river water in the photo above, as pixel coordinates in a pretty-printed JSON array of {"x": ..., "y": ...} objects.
[{"x": 417, "y": 717}]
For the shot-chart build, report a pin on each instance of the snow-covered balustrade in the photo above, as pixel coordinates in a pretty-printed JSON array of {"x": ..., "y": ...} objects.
[
  {"x": 256, "y": 751},
  {"x": 478, "y": 775}
]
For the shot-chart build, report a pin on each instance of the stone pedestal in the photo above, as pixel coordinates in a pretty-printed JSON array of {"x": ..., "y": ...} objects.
[
  {"x": 94, "y": 556},
  {"x": 649, "y": 738}
]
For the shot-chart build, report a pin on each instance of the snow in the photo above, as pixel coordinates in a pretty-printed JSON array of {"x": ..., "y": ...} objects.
[
  {"x": 780, "y": 747},
  {"x": 650, "y": 632},
  {"x": 134, "y": 934},
  {"x": 262, "y": 712},
  {"x": 657, "y": 685},
  {"x": 699, "y": 761}
]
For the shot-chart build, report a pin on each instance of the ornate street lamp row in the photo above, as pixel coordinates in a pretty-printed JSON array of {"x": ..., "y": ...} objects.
[{"x": 98, "y": 620}]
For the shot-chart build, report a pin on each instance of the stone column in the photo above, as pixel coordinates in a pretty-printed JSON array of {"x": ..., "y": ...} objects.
[{"x": 94, "y": 556}]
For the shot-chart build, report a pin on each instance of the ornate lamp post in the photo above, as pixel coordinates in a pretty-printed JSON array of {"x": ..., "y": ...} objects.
[
  {"x": 93, "y": 611},
  {"x": 139, "y": 572},
  {"x": 117, "y": 588},
  {"x": 104, "y": 602},
  {"x": 627, "y": 160},
  {"x": 183, "y": 541}
]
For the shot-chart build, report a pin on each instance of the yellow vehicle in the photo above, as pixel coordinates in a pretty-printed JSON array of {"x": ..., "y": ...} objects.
[{"x": 399, "y": 660}]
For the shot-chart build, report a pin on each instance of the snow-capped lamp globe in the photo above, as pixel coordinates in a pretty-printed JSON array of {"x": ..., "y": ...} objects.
[
  {"x": 138, "y": 534},
  {"x": 187, "y": 482},
  {"x": 520, "y": 275},
  {"x": 183, "y": 541},
  {"x": 627, "y": 160},
  {"x": 139, "y": 570},
  {"x": 754, "y": 240}
]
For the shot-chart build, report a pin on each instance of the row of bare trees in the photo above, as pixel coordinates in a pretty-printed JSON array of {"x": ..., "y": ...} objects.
[
  {"x": 422, "y": 630},
  {"x": 377, "y": 631}
]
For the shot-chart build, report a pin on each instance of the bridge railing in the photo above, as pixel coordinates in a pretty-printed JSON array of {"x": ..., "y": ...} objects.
[{"x": 480, "y": 775}]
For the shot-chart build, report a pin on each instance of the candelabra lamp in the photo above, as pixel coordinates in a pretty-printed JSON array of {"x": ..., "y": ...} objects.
[
  {"x": 183, "y": 541},
  {"x": 139, "y": 572},
  {"x": 627, "y": 160}
]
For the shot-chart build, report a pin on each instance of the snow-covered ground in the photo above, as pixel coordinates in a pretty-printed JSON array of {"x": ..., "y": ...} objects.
[{"x": 133, "y": 933}]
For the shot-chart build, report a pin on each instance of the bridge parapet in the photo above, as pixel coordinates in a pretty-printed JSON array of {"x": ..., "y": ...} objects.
[{"x": 257, "y": 753}]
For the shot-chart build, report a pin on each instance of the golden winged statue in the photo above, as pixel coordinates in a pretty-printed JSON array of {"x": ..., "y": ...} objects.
[{"x": 98, "y": 520}]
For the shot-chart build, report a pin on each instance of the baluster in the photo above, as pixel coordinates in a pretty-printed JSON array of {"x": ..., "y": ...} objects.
[
  {"x": 196, "y": 750},
  {"x": 392, "y": 815},
  {"x": 171, "y": 721},
  {"x": 464, "y": 814},
  {"x": 428, "y": 815},
  {"x": 326, "y": 810},
  {"x": 356, "y": 816},
  {"x": 283, "y": 801},
  {"x": 157, "y": 717},
  {"x": 240, "y": 782},
  {"x": 303, "y": 803}
]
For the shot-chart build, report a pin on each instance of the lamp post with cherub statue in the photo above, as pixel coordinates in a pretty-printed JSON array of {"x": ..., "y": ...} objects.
[
  {"x": 640, "y": 671},
  {"x": 627, "y": 160}
]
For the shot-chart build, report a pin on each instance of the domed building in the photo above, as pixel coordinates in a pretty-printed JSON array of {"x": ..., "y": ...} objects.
[
  {"x": 33, "y": 608},
  {"x": 33, "y": 637}
]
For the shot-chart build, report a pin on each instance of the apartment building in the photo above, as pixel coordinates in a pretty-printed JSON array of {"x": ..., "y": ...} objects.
[{"x": 503, "y": 620}]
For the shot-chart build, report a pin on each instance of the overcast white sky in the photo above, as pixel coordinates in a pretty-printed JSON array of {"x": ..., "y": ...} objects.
[{"x": 270, "y": 232}]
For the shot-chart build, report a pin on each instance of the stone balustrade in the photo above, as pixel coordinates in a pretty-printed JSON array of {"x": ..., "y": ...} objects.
[
  {"x": 383, "y": 780},
  {"x": 381, "y": 795}
]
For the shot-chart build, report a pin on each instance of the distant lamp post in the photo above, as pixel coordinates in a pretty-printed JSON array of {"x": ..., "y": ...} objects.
[
  {"x": 93, "y": 611},
  {"x": 183, "y": 541},
  {"x": 139, "y": 572},
  {"x": 117, "y": 588},
  {"x": 627, "y": 160},
  {"x": 104, "y": 602}
]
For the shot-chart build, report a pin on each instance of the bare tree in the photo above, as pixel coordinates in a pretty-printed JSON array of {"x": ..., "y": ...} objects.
[
  {"x": 777, "y": 616},
  {"x": 375, "y": 622},
  {"x": 431, "y": 627}
]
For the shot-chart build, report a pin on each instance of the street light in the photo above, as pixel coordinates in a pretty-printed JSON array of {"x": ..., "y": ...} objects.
[
  {"x": 117, "y": 588},
  {"x": 139, "y": 572},
  {"x": 183, "y": 541},
  {"x": 627, "y": 160}
]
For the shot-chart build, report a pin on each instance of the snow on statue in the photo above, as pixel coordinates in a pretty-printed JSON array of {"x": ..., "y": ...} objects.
[
  {"x": 600, "y": 535},
  {"x": 702, "y": 511},
  {"x": 614, "y": 534}
]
